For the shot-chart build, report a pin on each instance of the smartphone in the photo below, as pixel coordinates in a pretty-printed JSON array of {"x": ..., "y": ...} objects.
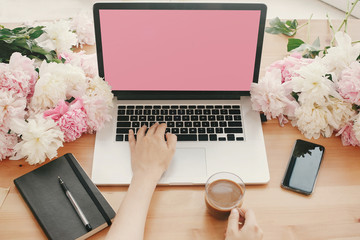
[{"x": 303, "y": 167}]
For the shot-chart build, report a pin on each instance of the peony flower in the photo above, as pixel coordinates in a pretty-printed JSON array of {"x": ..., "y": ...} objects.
[
  {"x": 10, "y": 107},
  {"x": 60, "y": 34},
  {"x": 341, "y": 112},
  {"x": 87, "y": 62},
  {"x": 272, "y": 97},
  {"x": 98, "y": 112},
  {"x": 356, "y": 127},
  {"x": 289, "y": 65},
  {"x": 311, "y": 119},
  {"x": 56, "y": 113},
  {"x": 40, "y": 139},
  {"x": 98, "y": 87},
  {"x": 83, "y": 25},
  {"x": 57, "y": 82},
  {"x": 7, "y": 143},
  {"x": 348, "y": 135},
  {"x": 349, "y": 83},
  {"x": 313, "y": 84},
  {"x": 19, "y": 75},
  {"x": 341, "y": 56},
  {"x": 73, "y": 123}
]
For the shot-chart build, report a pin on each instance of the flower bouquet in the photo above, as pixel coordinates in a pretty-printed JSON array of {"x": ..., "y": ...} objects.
[
  {"x": 318, "y": 90},
  {"x": 48, "y": 92}
]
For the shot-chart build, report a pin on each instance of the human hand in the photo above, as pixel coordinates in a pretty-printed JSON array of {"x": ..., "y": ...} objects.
[
  {"x": 249, "y": 229},
  {"x": 150, "y": 153}
]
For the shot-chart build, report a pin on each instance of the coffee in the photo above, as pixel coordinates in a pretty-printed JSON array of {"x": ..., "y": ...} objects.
[{"x": 222, "y": 195}]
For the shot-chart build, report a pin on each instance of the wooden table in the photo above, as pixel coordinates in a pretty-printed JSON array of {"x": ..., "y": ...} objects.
[{"x": 331, "y": 212}]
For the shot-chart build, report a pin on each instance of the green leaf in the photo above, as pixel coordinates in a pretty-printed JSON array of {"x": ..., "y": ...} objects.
[
  {"x": 277, "y": 26},
  {"x": 294, "y": 43},
  {"x": 295, "y": 95}
]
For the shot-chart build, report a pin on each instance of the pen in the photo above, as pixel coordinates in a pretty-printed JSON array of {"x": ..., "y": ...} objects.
[{"x": 75, "y": 205}]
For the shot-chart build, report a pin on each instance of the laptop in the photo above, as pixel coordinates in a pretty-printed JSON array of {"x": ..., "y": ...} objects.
[{"x": 189, "y": 65}]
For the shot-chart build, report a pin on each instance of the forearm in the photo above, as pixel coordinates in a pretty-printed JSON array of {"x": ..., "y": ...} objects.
[{"x": 130, "y": 220}]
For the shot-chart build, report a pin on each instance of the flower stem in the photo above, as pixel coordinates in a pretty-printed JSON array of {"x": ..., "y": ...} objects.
[
  {"x": 308, "y": 29},
  {"x": 348, "y": 13}
]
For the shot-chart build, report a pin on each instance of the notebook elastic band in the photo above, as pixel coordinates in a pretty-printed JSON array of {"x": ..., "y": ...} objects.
[{"x": 88, "y": 190}]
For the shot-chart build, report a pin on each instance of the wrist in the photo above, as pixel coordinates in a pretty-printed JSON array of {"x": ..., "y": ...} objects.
[{"x": 147, "y": 176}]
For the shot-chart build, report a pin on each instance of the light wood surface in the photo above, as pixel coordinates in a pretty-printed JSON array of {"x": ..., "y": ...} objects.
[{"x": 331, "y": 212}]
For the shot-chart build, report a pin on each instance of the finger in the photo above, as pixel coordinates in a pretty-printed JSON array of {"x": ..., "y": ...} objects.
[
  {"x": 233, "y": 222},
  {"x": 171, "y": 141},
  {"x": 152, "y": 129},
  {"x": 160, "y": 130},
  {"x": 141, "y": 132},
  {"x": 132, "y": 141},
  {"x": 250, "y": 218}
]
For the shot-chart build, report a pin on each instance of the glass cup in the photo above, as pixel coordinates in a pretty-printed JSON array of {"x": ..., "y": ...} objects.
[{"x": 223, "y": 192}]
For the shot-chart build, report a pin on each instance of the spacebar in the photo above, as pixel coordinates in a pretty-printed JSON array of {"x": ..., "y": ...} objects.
[{"x": 186, "y": 137}]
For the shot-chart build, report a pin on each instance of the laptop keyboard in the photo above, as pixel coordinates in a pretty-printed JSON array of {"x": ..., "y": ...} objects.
[{"x": 188, "y": 122}]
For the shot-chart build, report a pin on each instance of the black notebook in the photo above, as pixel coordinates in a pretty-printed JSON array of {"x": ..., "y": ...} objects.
[{"x": 43, "y": 194}]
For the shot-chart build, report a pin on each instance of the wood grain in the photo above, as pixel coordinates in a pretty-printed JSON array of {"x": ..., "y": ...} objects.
[{"x": 331, "y": 212}]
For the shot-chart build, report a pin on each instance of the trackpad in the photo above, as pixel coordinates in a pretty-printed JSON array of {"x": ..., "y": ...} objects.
[{"x": 188, "y": 166}]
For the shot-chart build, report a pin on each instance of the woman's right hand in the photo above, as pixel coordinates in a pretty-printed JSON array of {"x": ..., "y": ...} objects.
[{"x": 250, "y": 229}]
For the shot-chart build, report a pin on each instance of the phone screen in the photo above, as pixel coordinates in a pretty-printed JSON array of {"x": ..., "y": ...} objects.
[{"x": 303, "y": 167}]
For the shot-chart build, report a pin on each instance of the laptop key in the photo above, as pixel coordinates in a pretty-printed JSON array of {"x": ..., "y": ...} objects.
[
  {"x": 234, "y": 111},
  {"x": 234, "y": 124},
  {"x": 123, "y": 118},
  {"x": 237, "y": 117},
  {"x": 121, "y": 112},
  {"x": 119, "y": 138},
  {"x": 123, "y": 124},
  {"x": 185, "y": 118},
  {"x": 201, "y": 130},
  {"x": 179, "y": 124},
  {"x": 130, "y": 107},
  {"x": 231, "y": 137},
  {"x": 170, "y": 124},
  {"x": 203, "y": 137},
  {"x": 219, "y": 130},
  {"x": 196, "y": 124},
  {"x": 210, "y": 130},
  {"x": 142, "y": 118},
  {"x": 236, "y": 106},
  {"x": 186, "y": 137},
  {"x": 192, "y": 130},
  {"x": 121, "y": 107},
  {"x": 175, "y": 130},
  {"x": 122, "y": 130},
  {"x": 222, "y": 139},
  {"x": 174, "y": 106},
  {"x": 184, "y": 130},
  {"x": 213, "y": 137},
  {"x": 239, "y": 139},
  {"x": 233, "y": 130},
  {"x": 133, "y": 118},
  {"x": 209, "y": 106},
  {"x": 168, "y": 118}
]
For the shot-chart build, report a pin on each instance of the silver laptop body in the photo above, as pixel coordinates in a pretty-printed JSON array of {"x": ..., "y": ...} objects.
[{"x": 194, "y": 161}]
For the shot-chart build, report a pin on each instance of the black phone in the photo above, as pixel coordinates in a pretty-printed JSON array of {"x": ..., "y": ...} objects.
[{"x": 303, "y": 167}]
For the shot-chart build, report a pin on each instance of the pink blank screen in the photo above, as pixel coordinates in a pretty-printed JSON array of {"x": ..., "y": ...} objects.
[{"x": 179, "y": 50}]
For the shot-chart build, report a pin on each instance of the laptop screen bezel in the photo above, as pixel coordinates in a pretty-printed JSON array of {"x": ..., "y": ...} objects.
[{"x": 172, "y": 95}]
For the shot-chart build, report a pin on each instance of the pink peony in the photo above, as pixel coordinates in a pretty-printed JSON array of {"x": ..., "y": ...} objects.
[
  {"x": 289, "y": 65},
  {"x": 18, "y": 76},
  {"x": 348, "y": 135},
  {"x": 11, "y": 107},
  {"x": 349, "y": 83},
  {"x": 57, "y": 112},
  {"x": 97, "y": 113},
  {"x": 273, "y": 98},
  {"x": 73, "y": 122},
  {"x": 7, "y": 143}
]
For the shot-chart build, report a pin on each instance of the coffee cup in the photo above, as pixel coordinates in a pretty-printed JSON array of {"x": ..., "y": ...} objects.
[{"x": 223, "y": 192}]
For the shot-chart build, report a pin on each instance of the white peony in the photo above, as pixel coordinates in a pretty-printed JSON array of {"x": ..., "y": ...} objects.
[
  {"x": 357, "y": 127},
  {"x": 60, "y": 34},
  {"x": 314, "y": 86},
  {"x": 341, "y": 56},
  {"x": 57, "y": 82},
  {"x": 311, "y": 119},
  {"x": 83, "y": 25},
  {"x": 98, "y": 87},
  {"x": 41, "y": 139}
]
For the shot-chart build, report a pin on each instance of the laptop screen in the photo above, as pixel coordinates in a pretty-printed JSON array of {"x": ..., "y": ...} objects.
[{"x": 180, "y": 49}]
